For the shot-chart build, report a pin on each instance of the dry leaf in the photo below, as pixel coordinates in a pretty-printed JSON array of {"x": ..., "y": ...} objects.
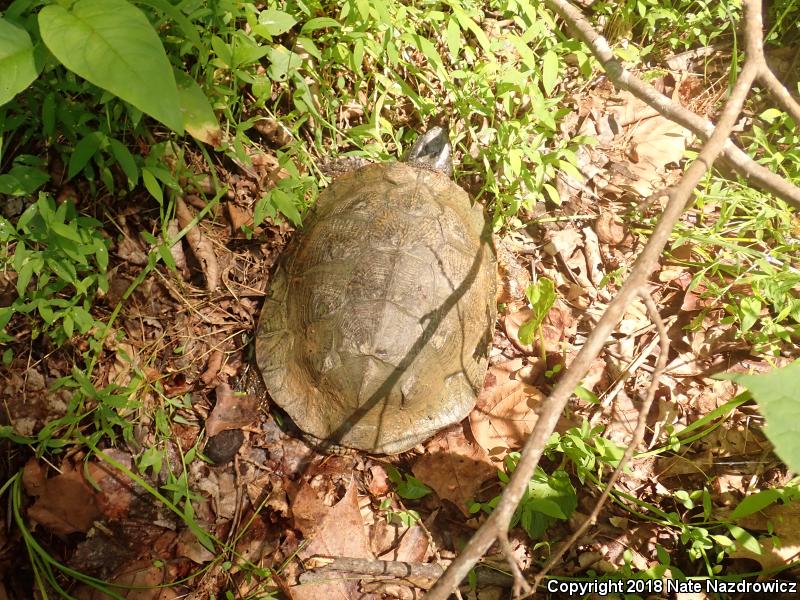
[
  {"x": 563, "y": 242},
  {"x": 340, "y": 532},
  {"x": 64, "y": 504},
  {"x": 201, "y": 246},
  {"x": 609, "y": 229},
  {"x": 454, "y": 467},
  {"x": 232, "y": 411},
  {"x": 505, "y": 412}
]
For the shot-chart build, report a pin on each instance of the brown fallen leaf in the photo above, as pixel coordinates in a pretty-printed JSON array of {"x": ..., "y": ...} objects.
[
  {"x": 308, "y": 510},
  {"x": 772, "y": 556},
  {"x": 609, "y": 228},
  {"x": 200, "y": 245},
  {"x": 454, "y": 467},
  {"x": 213, "y": 366},
  {"x": 232, "y": 411},
  {"x": 563, "y": 242},
  {"x": 64, "y": 503},
  {"x": 114, "y": 491},
  {"x": 340, "y": 533},
  {"x": 379, "y": 483},
  {"x": 505, "y": 412}
]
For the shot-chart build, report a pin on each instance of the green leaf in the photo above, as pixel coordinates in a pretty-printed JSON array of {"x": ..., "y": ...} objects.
[
  {"x": 83, "y": 153},
  {"x": 744, "y": 539},
  {"x": 285, "y": 204},
  {"x": 68, "y": 325},
  {"x": 274, "y": 22},
  {"x": 22, "y": 180},
  {"x": 750, "y": 311},
  {"x": 66, "y": 231},
  {"x": 101, "y": 255},
  {"x": 413, "y": 489},
  {"x": 318, "y": 23},
  {"x": 283, "y": 63},
  {"x": 17, "y": 64},
  {"x": 198, "y": 116},
  {"x": 222, "y": 50},
  {"x": 541, "y": 296},
  {"x": 526, "y": 332},
  {"x": 111, "y": 44},
  {"x": 24, "y": 275},
  {"x": 549, "y": 71},
  {"x": 755, "y": 502},
  {"x": 453, "y": 37},
  {"x": 125, "y": 160},
  {"x": 152, "y": 185},
  {"x": 776, "y": 395}
]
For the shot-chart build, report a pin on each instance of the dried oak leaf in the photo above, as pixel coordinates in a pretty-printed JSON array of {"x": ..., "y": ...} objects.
[
  {"x": 505, "y": 412},
  {"x": 454, "y": 467},
  {"x": 340, "y": 532}
]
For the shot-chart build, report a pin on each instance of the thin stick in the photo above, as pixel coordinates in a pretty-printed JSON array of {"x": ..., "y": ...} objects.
[{"x": 638, "y": 436}]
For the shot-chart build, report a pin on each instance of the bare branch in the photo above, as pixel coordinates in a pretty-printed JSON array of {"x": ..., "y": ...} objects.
[
  {"x": 520, "y": 583},
  {"x": 647, "y": 261},
  {"x": 636, "y": 440}
]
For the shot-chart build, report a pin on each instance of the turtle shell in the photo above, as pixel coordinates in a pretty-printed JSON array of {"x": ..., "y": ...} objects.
[{"x": 376, "y": 329}]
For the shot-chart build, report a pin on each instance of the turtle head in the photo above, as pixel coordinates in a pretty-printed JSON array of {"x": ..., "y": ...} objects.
[{"x": 432, "y": 150}]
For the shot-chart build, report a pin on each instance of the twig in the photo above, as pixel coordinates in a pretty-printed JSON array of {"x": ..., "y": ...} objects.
[
  {"x": 647, "y": 261},
  {"x": 520, "y": 583},
  {"x": 638, "y": 436},
  {"x": 325, "y": 568}
]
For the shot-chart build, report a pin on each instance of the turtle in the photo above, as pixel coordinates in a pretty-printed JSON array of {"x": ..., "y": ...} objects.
[{"x": 378, "y": 322}]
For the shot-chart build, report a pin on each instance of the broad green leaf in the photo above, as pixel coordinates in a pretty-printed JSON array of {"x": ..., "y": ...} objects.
[
  {"x": 17, "y": 65},
  {"x": 111, "y": 44},
  {"x": 274, "y": 22},
  {"x": 67, "y": 323},
  {"x": 198, "y": 116},
  {"x": 282, "y": 63},
  {"x": 776, "y": 395},
  {"x": 755, "y": 502},
  {"x": 541, "y": 296},
  {"x": 318, "y": 23},
  {"x": 101, "y": 255},
  {"x": 453, "y": 37},
  {"x": 83, "y": 153},
  {"x": 750, "y": 311},
  {"x": 24, "y": 275},
  {"x": 744, "y": 539},
  {"x": 222, "y": 50},
  {"x": 65, "y": 231},
  {"x": 22, "y": 180},
  {"x": 152, "y": 185},
  {"x": 549, "y": 71}
]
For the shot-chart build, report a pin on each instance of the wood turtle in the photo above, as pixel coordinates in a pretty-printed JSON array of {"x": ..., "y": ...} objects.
[{"x": 377, "y": 326}]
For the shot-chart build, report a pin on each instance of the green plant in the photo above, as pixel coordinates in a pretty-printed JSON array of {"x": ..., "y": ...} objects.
[
  {"x": 541, "y": 297},
  {"x": 775, "y": 393},
  {"x": 408, "y": 486},
  {"x": 60, "y": 261},
  {"x": 547, "y": 499},
  {"x": 405, "y": 516}
]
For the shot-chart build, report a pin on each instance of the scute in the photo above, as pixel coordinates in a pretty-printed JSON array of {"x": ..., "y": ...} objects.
[{"x": 376, "y": 330}]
